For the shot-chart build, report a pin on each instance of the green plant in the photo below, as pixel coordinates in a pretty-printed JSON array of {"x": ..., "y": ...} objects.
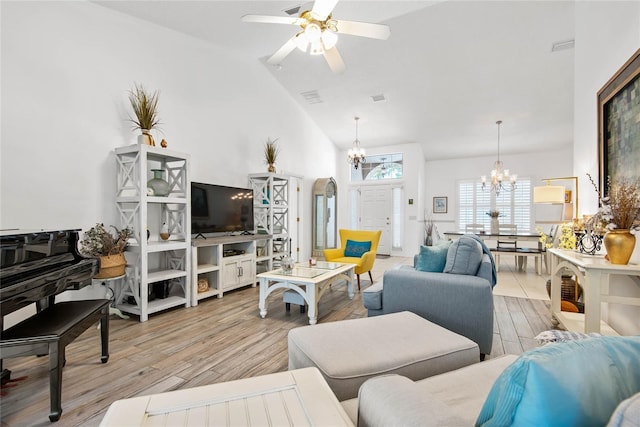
[
  {"x": 271, "y": 151},
  {"x": 97, "y": 241},
  {"x": 145, "y": 108}
]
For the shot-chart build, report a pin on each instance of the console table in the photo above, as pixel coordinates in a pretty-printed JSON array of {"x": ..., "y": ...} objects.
[{"x": 593, "y": 273}]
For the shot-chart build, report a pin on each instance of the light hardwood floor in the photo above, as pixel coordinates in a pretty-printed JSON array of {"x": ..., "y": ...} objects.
[{"x": 220, "y": 340}]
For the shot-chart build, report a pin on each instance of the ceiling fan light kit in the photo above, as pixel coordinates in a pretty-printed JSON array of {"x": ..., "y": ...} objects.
[{"x": 319, "y": 34}]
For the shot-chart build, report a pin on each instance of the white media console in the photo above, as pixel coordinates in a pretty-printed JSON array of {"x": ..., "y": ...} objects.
[{"x": 226, "y": 262}]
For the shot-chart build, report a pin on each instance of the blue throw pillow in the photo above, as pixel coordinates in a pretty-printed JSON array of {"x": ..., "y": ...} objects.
[
  {"x": 464, "y": 257},
  {"x": 433, "y": 258},
  {"x": 574, "y": 383},
  {"x": 356, "y": 249}
]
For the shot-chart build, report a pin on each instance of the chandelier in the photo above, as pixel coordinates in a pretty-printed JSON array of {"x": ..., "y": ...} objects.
[
  {"x": 500, "y": 178},
  {"x": 356, "y": 154}
]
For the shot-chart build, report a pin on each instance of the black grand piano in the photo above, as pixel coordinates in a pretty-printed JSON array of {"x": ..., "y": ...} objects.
[{"x": 35, "y": 267}]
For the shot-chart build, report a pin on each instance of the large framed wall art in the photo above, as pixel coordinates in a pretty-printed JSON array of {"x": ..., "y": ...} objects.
[{"x": 619, "y": 125}]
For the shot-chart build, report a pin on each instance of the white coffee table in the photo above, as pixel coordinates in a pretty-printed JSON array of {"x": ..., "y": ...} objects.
[
  {"x": 310, "y": 282},
  {"x": 292, "y": 398}
]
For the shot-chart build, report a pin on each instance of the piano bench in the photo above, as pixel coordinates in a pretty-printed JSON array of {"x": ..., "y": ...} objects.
[{"x": 49, "y": 331}]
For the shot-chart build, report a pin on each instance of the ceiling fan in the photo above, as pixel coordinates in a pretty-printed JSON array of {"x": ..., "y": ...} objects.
[{"x": 319, "y": 33}]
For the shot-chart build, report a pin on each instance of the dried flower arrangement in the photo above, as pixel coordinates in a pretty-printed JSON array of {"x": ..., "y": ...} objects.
[
  {"x": 619, "y": 209},
  {"x": 428, "y": 229},
  {"x": 97, "y": 241},
  {"x": 271, "y": 151},
  {"x": 494, "y": 214},
  {"x": 145, "y": 108}
]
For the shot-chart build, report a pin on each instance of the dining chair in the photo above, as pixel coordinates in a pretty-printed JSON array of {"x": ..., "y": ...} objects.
[{"x": 506, "y": 245}]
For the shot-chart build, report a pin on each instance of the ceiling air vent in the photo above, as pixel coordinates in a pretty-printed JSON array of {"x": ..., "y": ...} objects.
[
  {"x": 563, "y": 45},
  {"x": 312, "y": 97},
  {"x": 293, "y": 11},
  {"x": 378, "y": 98}
]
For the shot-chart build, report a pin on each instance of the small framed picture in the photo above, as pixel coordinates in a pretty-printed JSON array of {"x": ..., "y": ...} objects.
[
  {"x": 440, "y": 204},
  {"x": 567, "y": 196}
]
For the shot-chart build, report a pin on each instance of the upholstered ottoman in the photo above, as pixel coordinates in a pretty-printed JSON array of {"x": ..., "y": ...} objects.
[{"x": 349, "y": 352}]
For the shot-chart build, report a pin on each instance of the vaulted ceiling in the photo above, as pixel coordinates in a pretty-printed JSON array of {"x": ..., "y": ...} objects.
[{"x": 448, "y": 72}]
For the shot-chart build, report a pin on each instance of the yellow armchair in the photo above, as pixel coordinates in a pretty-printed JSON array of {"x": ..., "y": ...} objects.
[{"x": 363, "y": 264}]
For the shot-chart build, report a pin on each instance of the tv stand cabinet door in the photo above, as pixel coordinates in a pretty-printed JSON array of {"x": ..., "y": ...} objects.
[{"x": 237, "y": 271}]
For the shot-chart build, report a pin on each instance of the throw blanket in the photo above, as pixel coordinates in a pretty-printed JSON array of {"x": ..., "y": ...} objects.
[{"x": 486, "y": 250}]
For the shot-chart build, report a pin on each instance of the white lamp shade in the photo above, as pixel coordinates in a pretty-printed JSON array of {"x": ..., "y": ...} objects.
[{"x": 548, "y": 194}]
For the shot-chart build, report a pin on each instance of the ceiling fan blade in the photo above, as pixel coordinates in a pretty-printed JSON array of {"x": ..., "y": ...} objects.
[
  {"x": 363, "y": 29},
  {"x": 286, "y": 49},
  {"x": 264, "y": 19},
  {"x": 334, "y": 60},
  {"x": 323, "y": 8}
]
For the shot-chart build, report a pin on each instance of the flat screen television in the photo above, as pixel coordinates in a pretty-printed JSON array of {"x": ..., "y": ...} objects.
[{"x": 220, "y": 209}]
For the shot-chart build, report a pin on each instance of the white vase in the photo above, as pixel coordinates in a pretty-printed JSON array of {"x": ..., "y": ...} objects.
[{"x": 495, "y": 226}]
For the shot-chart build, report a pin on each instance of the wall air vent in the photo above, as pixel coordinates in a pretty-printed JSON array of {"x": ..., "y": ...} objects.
[
  {"x": 563, "y": 45},
  {"x": 378, "y": 98},
  {"x": 312, "y": 97}
]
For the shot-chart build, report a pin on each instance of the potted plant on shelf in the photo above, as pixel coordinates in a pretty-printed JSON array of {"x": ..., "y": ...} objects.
[
  {"x": 617, "y": 215},
  {"x": 145, "y": 108},
  {"x": 271, "y": 151},
  {"x": 99, "y": 243}
]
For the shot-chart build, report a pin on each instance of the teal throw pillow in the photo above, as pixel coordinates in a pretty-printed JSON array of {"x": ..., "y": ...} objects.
[
  {"x": 433, "y": 258},
  {"x": 573, "y": 383},
  {"x": 464, "y": 257},
  {"x": 356, "y": 249}
]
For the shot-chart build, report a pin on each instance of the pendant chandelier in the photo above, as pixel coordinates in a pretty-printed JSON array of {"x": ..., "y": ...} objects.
[
  {"x": 500, "y": 178},
  {"x": 355, "y": 156}
]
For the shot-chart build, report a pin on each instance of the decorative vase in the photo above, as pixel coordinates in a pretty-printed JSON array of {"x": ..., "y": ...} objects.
[
  {"x": 619, "y": 244},
  {"x": 164, "y": 232},
  {"x": 429, "y": 240},
  {"x": 287, "y": 264},
  {"x": 159, "y": 186},
  {"x": 495, "y": 226},
  {"x": 145, "y": 138},
  {"x": 272, "y": 168},
  {"x": 111, "y": 266}
]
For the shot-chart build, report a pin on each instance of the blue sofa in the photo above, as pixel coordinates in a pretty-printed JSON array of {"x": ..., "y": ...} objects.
[{"x": 462, "y": 303}]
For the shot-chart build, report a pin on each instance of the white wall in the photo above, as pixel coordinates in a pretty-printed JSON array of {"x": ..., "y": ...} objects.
[
  {"x": 66, "y": 70},
  {"x": 442, "y": 176},
  {"x": 607, "y": 34}
]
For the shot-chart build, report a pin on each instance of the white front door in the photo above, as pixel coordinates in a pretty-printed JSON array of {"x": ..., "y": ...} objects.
[{"x": 376, "y": 208}]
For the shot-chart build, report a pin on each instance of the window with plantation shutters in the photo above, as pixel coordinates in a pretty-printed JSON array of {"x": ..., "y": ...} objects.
[{"x": 474, "y": 203}]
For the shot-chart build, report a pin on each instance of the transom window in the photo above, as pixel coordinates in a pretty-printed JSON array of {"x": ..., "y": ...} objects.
[
  {"x": 379, "y": 167},
  {"x": 474, "y": 204}
]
